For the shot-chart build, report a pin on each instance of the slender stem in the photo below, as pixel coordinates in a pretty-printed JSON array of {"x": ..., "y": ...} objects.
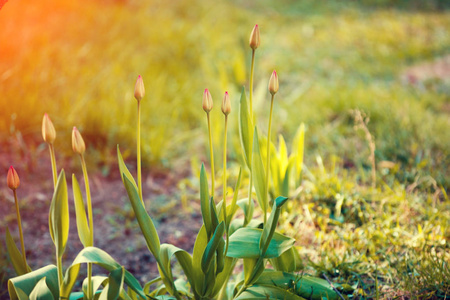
[
  {"x": 53, "y": 160},
  {"x": 251, "y": 83},
  {"x": 91, "y": 222},
  {"x": 19, "y": 221},
  {"x": 212, "y": 156},
  {"x": 248, "y": 216},
  {"x": 224, "y": 205},
  {"x": 139, "y": 152},
  {"x": 268, "y": 154},
  {"x": 60, "y": 272}
]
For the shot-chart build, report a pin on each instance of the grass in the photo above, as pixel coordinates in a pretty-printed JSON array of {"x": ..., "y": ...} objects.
[{"x": 331, "y": 57}]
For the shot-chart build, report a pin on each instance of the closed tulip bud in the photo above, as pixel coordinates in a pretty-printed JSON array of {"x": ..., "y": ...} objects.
[
  {"x": 254, "y": 38},
  {"x": 207, "y": 101},
  {"x": 226, "y": 104},
  {"x": 12, "y": 179},
  {"x": 139, "y": 90},
  {"x": 273, "y": 83},
  {"x": 78, "y": 145},
  {"x": 48, "y": 130}
]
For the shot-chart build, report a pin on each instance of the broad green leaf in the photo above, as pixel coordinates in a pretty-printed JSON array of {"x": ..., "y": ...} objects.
[
  {"x": 145, "y": 222},
  {"x": 245, "y": 129},
  {"x": 214, "y": 216},
  {"x": 97, "y": 282},
  {"x": 305, "y": 286},
  {"x": 21, "y": 287},
  {"x": 59, "y": 214},
  {"x": 244, "y": 243},
  {"x": 199, "y": 248},
  {"x": 80, "y": 212},
  {"x": 257, "y": 292},
  {"x": 270, "y": 226},
  {"x": 102, "y": 259},
  {"x": 184, "y": 258},
  {"x": 258, "y": 173},
  {"x": 204, "y": 201},
  {"x": 223, "y": 277},
  {"x": 124, "y": 173},
  {"x": 182, "y": 288},
  {"x": 212, "y": 246},
  {"x": 41, "y": 291},
  {"x": 15, "y": 255},
  {"x": 282, "y": 152},
  {"x": 289, "y": 261},
  {"x": 115, "y": 284}
]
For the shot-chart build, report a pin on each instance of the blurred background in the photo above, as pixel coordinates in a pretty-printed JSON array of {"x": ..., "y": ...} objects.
[{"x": 78, "y": 62}]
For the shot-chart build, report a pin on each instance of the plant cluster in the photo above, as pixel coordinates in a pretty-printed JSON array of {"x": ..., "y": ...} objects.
[{"x": 224, "y": 242}]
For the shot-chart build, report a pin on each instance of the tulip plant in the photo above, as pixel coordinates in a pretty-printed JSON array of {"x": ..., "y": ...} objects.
[{"x": 231, "y": 255}]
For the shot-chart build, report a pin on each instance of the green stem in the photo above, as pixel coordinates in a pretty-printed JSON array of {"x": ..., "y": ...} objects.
[
  {"x": 249, "y": 216},
  {"x": 268, "y": 155},
  {"x": 139, "y": 152},
  {"x": 212, "y": 156},
  {"x": 224, "y": 205},
  {"x": 251, "y": 84},
  {"x": 53, "y": 160},
  {"x": 91, "y": 222},
  {"x": 19, "y": 221},
  {"x": 60, "y": 271}
]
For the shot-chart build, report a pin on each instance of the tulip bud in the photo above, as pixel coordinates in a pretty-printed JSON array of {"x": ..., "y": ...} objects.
[
  {"x": 273, "y": 83},
  {"x": 207, "y": 101},
  {"x": 226, "y": 104},
  {"x": 12, "y": 179},
  {"x": 48, "y": 130},
  {"x": 139, "y": 90},
  {"x": 254, "y": 38},
  {"x": 78, "y": 145}
]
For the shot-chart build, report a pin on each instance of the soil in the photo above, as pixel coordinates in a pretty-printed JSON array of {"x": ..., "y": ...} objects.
[{"x": 116, "y": 229}]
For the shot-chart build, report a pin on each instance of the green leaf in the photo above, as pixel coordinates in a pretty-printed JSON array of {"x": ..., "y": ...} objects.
[
  {"x": 41, "y": 291},
  {"x": 245, "y": 129},
  {"x": 204, "y": 201},
  {"x": 145, "y": 222},
  {"x": 22, "y": 286},
  {"x": 199, "y": 248},
  {"x": 80, "y": 212},
  {"x": 102, "y": 259},
  {"x": 289, "y": 261},
  {"x": 244, "y": 243},
  {"x": 59, "y": 214},
  {"x": 233, "y": 207},
  {"x": 211, "y": 247},
  {"x": 184, "y": 258},
  {"x": 223, "y": 277},
  {"x": 257, "y": 292},
  {"x": 15, "y": 255},
  {"x": 97, "y": 282},
  {"x": 270, "y": 226},
  {"x": 115, "y": 286},
  {"x": 124, "y": 173},
  {"x": 258, "y": 173},
  {"x": 305, "y": 286}
]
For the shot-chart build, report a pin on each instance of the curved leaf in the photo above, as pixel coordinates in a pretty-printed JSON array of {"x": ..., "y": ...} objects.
[
  {"x": 145, "y": 222},
  {"x": 104, "y": 260},
  {"x": 59, "y": 214},
  {"x": 22, "y": 286},
  {"x": 204, "y": 201},
  {"x": 124, "y": 173},
  {"x": 80, "y": 212},
  {"x": 211, "y": 248},
  {"x": 41, "y": 291},
  {"x": 15, "y": 255},
  {"x": 257, "y": 292},
  {"x": 271, "y": 224},
  {"x": 244, "y": 243}
]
